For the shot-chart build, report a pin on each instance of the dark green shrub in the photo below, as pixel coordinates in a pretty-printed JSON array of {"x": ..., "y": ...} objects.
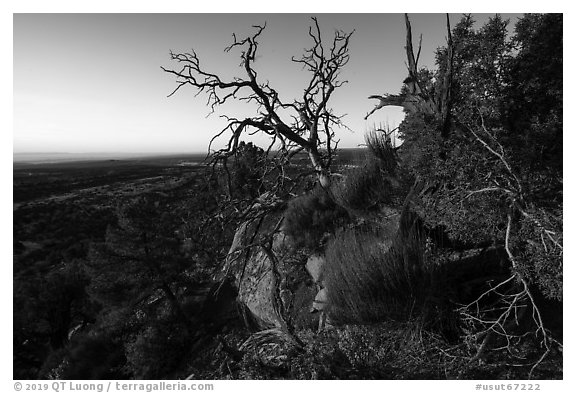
[
  {"x": 502, "y": 152},
  {"x": 157, "y": 351},
  {"x": 541, "y": 259},
  {"x": 247, "y": 170},
  {"x": 309, "y": 217},
  {"x": 93, "y": 357}
]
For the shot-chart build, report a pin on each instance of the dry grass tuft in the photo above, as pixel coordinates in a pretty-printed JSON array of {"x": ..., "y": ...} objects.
[{"x": 373, "y": 275}]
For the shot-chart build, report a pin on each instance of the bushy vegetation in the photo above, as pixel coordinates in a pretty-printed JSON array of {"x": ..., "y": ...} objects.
[
  {"x": 248, "y": 170},
  {"x": 366, "y": 277},
  {"x": 502, "y": 161},
  {"x": 541, "y": 258},
  {"x": 364, "y": 188},
  {"x": 374, "y": 183},
  {"x": 386, "y": 350},
  {"x": 311, "y": 216},
  {"x": 100, "y": 280},
  {"x": 157, "y": 350}
]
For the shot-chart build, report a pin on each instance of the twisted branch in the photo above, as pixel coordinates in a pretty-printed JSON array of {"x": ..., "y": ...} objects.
[
  {"x": 305, "y": 124},
  {"x": 515, "y": 303}
]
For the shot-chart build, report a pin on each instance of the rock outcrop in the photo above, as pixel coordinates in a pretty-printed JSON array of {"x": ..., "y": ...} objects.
[
  {"x": 278, "y": 281},
  {"x": 270, "y": 274}
]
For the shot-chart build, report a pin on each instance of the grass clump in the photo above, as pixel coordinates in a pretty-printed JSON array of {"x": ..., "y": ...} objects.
[
  {"x": 375, "y": 182},
  {"x": 364, "y": 188},
  {"x": 380, "y": 147},
  {"x": 370, "y": 276}
]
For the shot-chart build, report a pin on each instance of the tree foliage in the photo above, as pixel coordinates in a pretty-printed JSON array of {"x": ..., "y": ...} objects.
[
  {"x": 249, "y": 170},
  {"x": 492, "y": 175},
  {"x": 505, "y": 143}
]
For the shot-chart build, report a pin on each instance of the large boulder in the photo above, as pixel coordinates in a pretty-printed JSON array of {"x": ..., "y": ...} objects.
[
  {"x": 273, "y": 291},
  {"x": 284, "y": 289}
]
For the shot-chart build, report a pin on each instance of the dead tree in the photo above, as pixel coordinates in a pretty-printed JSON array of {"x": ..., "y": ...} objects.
[
  {"x": 416, "y": 98},
  {"x": 304, "y": 124}
]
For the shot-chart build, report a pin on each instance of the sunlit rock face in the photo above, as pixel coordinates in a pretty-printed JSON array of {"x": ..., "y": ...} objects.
[
  {"x": 314, "y": 266},
  {"x": 266, "y": 288}
]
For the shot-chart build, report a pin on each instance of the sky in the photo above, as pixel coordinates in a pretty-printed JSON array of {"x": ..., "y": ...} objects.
[{"x": 92, "y": 83}]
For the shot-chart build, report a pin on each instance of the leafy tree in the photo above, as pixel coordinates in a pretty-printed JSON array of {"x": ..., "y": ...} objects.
[
  {"x": 489, "y": 172},
  {"x": 248, "y": 170},
  {"x": 492, "y": 148}
]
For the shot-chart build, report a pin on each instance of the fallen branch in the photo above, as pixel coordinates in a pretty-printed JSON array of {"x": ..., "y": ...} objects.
[{"x": 515, "y": 304}]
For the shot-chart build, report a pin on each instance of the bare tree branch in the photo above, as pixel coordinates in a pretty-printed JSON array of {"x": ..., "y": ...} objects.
[
  {"x": 416, "y": 98},
  {"x": 308, "y": 125},
  {"x": 501, "y": 325}
]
